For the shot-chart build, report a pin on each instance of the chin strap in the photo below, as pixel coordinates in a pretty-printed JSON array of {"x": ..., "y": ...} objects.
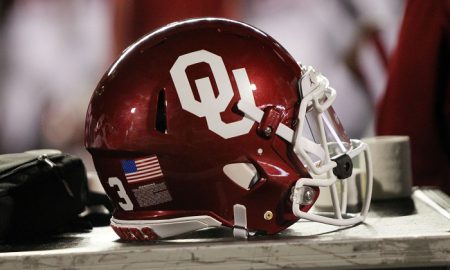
[{"x": 240, "y": 221}]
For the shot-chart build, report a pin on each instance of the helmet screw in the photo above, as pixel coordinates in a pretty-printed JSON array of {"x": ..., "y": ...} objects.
[
  {"x": 308, "y": 196},
  {"x": 268, "y": 215},
  {"x": 267, "y": 131}
]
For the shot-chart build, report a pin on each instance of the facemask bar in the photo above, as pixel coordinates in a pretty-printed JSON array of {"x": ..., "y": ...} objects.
[
  {"x": 318, "y": 96},
  {"x": 341, "y": 219}
]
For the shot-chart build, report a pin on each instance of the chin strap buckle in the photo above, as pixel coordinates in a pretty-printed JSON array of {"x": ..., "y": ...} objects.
[{"x": 240, "y": 221}]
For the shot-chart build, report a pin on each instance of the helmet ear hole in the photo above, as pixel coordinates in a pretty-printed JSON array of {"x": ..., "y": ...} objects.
[{"x": 244, "y": 175}]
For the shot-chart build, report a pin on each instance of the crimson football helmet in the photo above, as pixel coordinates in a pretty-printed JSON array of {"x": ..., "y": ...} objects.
[{"x": 211, "y": 122}]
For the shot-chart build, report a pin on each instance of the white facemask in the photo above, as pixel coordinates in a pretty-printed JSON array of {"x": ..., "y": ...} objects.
[{"x": 321, "y": 144}]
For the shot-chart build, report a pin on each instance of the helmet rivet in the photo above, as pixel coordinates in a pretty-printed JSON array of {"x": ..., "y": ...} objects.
[
  {"x": 302, "y": 195},
  {"x": 268, "y": 215},
  {"x": 308, "y": 196},
  {"x": 267, "y": 131},
  {"x": 259, "y": 151}
]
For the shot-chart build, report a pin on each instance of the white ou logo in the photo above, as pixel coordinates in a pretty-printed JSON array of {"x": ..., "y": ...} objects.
[{"x": 210, "y": 106}]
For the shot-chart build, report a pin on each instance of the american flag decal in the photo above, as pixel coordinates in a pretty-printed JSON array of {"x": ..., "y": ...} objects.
[{"x": 141, "y": 169}]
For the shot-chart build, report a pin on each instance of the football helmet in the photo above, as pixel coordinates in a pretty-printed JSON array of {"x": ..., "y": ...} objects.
[{"x": 211, "y": 122}]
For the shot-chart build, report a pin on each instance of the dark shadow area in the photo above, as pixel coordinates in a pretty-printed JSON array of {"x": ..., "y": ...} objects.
[
  {"x": 41, "y": 243},
  {"x": 394, "y": 207}
]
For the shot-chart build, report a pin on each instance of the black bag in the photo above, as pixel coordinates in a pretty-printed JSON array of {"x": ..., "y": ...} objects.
[{"x": 41, "y": 192}]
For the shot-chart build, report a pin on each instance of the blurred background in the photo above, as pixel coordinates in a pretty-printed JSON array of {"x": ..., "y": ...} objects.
[{"x": 53, "y": 53}]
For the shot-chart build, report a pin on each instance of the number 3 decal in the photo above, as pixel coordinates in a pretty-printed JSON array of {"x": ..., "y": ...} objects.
[
  {"x": 210, "y": 106},
  {"x": 128, "y": 205}
]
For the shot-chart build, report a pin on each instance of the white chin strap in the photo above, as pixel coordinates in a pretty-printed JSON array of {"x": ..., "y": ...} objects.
[{"x": 317, "y": 94}]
